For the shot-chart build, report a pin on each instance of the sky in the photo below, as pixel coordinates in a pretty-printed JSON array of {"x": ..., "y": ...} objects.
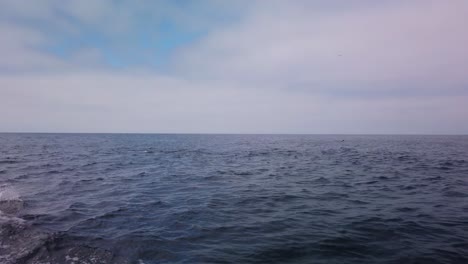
[{"x": 243, "y": 66}]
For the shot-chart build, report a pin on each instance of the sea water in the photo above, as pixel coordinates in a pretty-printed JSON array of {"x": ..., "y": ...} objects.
[{"x": 130, "y": 198}]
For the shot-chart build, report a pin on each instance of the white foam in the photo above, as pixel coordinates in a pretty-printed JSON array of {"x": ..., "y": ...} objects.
[
  {"x": 8, "y": 194},
  {"x": 10, "y": 200}
]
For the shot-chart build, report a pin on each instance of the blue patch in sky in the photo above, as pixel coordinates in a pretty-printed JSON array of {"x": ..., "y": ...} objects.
[
  {"x": 149, "y": 44},
  {"x": 169, "y": 39}
]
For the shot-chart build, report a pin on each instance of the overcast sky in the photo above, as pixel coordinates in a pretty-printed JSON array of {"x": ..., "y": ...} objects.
[{"x": 241, "y": 66}]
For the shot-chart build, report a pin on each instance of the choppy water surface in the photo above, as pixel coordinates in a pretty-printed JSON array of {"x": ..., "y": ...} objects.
[{"x": 233, "y": 199}]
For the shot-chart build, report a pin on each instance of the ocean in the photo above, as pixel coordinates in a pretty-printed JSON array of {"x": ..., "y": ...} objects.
[{"x": 169, "y": 198}]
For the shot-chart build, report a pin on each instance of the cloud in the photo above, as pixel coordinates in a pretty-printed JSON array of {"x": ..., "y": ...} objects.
[
  {"x": 142, "y": 102},
  {"x": 127, "y": 33},
  {"x": 255, "y": 66},
  {"x": 417, "y": 44},
  {"x": 21, "y": 51}
]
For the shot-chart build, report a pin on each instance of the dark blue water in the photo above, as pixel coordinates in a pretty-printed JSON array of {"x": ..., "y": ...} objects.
[{"x": 238, "y": 198}]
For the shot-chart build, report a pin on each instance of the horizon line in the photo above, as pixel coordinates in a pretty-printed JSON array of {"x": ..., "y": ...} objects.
[{"x": 224, "y": 133}]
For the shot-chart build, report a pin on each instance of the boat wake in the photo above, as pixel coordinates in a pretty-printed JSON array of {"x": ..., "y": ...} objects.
[{"x": 20, "y": 242}]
